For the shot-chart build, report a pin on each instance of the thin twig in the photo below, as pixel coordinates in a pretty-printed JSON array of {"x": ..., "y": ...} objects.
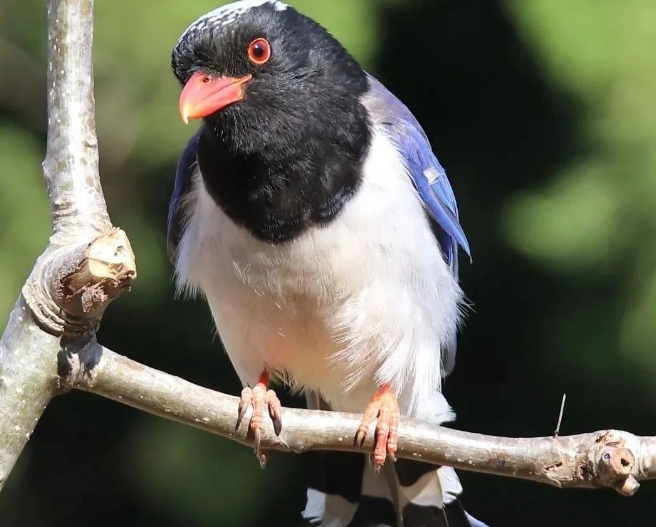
[
  {"x": 560, "y": 415},
  {"x": 606, "y": 458},
  {"x": 87, "y": 263}
]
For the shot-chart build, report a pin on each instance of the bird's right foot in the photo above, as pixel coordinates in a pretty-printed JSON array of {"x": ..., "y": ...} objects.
[
  {"x": 258, "y": 398},
  {"x": 385, "y": 408}
]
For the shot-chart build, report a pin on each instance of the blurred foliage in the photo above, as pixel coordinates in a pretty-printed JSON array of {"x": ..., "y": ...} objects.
[
  {"x": 541, "y": 112},
  {"x": 597, "y": 213}
]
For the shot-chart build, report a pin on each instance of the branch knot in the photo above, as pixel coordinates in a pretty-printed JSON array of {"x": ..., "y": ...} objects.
[
  {"x": 70, "y": 288},
  {"x": 615, "y": 463}
]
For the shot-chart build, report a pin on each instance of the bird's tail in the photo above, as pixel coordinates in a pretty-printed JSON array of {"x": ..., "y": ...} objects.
[{"x": 343, "y": 491}]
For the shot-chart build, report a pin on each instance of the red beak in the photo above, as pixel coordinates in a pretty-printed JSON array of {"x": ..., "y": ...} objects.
[{"x": 203, "y": 95}]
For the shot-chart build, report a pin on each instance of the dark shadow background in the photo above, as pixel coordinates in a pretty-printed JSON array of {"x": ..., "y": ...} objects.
[{"x": 502, "y": 121}]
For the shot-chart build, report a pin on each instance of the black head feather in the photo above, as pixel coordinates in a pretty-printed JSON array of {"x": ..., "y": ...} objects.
[{"x": 290, "y": 154}]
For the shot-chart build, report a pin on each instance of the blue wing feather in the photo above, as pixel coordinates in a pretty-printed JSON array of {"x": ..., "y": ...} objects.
[
  {"x": 183, "y": 175},
  {"x": 428, "y": 177},
  {"x": 427, "y": 174}
]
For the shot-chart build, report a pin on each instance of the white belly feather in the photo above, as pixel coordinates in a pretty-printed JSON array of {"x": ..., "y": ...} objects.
[{"x": 342, "y": 309}]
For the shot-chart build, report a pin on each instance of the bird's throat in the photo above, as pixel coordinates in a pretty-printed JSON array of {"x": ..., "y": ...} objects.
[{"x": 280, "y": 190}]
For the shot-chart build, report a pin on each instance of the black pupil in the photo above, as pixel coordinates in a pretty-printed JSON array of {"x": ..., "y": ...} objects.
[{"x": 258, "y": 51}]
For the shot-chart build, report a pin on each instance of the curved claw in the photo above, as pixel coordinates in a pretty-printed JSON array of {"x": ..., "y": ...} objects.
[
  {"x": 257, "y": 398},
  {"x": 244, "y": 404},
  {"x": 385, "y": 408},
  {"x": 273, "y": 403}
]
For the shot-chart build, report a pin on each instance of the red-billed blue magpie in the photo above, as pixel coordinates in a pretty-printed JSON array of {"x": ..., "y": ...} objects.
[{"x": 312, "y": 214}]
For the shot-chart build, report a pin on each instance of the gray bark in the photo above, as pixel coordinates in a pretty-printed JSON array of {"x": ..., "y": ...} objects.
[
  {"x": 28, "y": 380},
  {"x": 49, "y": 344},
  {"x": 87, "y": 263},
  {"x": 607, "y": 458}
]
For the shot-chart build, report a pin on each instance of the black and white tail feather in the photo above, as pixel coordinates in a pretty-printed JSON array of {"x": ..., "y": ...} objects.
[{"x": 343, "y": 491}]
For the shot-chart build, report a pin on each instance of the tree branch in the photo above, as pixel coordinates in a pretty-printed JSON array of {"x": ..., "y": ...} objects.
[
  {"x": 70, "y": 169},
  {"x": 49, "y": 344},
  {"x": 86, "y": 265},
  {"x": 607, "y": 458}
]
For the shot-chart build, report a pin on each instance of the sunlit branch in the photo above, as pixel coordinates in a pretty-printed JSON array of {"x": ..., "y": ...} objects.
[{"x": 607, "y": 458}]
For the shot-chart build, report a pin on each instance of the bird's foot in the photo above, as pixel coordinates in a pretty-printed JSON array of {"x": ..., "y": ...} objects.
[
  {"x": 258, "y": 398},
  {"x": 385, "y": 407}
]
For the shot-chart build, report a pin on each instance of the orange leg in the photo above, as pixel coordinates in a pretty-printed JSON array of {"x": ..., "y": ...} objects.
[
  {"x": 258, "y": 397},
  {"x": 385, "y": 407}
]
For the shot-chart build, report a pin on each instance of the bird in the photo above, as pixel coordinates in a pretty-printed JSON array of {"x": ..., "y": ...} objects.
[{"x": 312, "y": 215}]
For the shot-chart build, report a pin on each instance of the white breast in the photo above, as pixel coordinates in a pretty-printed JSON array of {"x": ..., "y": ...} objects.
[{"x": 342, "y": 309}]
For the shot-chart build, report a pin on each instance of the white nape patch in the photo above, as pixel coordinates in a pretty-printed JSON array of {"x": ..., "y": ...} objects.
[
  {"x": 227, "y": 14},
  {"x": 330, "y": 510}
]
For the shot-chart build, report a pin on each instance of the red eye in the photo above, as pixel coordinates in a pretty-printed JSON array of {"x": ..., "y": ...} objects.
[{"x": 259, "y": 51}]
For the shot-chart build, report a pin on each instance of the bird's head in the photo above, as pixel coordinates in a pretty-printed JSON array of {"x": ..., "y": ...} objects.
[{"x": 257, "y": 60}]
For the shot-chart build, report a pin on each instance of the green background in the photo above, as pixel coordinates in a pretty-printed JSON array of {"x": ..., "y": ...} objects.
[{"x": 542, "y": 112}]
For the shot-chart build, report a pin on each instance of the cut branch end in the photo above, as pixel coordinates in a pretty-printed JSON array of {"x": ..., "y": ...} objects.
[
  {"x": 106, "y": 269},
  {"x": 70, "y": 288},
  {"x": 615, "y": 463}
]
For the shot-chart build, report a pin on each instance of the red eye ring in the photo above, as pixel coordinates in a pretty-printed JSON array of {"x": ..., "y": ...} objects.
[{"x": 259, "y": 51}]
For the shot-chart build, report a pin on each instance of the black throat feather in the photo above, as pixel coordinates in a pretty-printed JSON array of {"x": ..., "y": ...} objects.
[{"x": 280, "y": 166}]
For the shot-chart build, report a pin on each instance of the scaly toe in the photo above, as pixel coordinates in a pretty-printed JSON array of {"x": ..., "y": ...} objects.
[
  {"x": 244, "y": 404},
  {"x": 383, "y": 407},
  {"x": 275, "y": 409},
  {"x": 258, "y": 398}
]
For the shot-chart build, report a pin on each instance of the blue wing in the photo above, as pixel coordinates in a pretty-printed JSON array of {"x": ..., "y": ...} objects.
[
  {"x": 425, "y": 170},
  {"x": 184, "y": 172},
  {"x": 428, "y": 177}
]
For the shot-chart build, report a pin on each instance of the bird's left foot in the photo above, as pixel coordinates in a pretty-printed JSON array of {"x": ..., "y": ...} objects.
[
  {"x": 260, "y": 397},
  {"x": 385, "y": 407}
]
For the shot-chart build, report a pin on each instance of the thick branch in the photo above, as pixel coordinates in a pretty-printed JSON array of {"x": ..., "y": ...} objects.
[
  {"x": 63, "y": 291},
  {"x": 71, "y": 165},
  {"x": 28, "y": 379},
  {"x": 87, "y": 263},
  {"x": 607, "y": 458}
]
